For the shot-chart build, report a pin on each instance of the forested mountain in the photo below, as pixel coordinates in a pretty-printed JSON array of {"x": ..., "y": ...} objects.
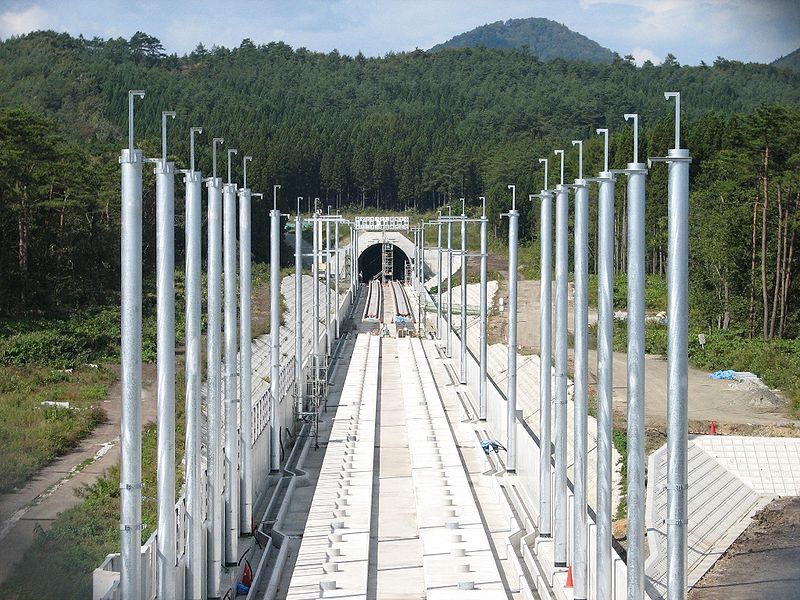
[
  {"x": 408, "y": 130},
  {"x": 545, "y": 39},
  {"x": 790, "y": 61}
]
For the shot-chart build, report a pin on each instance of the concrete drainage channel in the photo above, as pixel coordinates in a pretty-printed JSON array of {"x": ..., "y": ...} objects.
[{"x": 268, "y": 533}]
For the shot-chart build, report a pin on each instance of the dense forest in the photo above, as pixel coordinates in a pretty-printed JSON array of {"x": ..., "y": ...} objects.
[{"x": 408, "y": 131}]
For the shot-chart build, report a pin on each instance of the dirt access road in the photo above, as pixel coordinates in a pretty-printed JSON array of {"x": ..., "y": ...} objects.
[
  {"x": 53, "y": 489},
  {"x": 709, "y": 399},
  {"x": 762, "y": 562}
]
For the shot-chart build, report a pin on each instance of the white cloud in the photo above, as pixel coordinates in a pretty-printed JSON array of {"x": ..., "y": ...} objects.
[
  {"x": 643, "y": 54},
  {"x": 17, "y": 23}
]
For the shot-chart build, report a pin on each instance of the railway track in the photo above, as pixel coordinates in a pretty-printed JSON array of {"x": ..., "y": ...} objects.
[
  {"x": 402, "y": 307},
  {"x": 374, "y": 304}
]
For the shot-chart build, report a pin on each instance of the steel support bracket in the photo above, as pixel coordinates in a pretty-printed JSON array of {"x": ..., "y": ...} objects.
[
  {"x": 667, "y": 159},
  {"x": 132, "y": 486},
  {"x": 676, "y": 486},
  {"x": 627, "y": 171}
]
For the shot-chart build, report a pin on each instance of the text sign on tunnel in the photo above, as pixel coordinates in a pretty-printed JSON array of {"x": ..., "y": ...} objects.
[{"x": 382, "y": 223}]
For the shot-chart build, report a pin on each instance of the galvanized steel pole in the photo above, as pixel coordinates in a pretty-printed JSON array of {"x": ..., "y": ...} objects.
[
  {"x": 165, "y": 356},
  {"x": 354, "y": 261},
  {"x": 439, "y": 282},
  {"x": 351, "y": 258},
  {"x": 328, "y": 344},
  {"x": 636, "y": 173},
  {"x": 463, "y": 294},
  {"x": 580, "y": 541},
  {"x": 605, "y": 362},
  {"x": 678, "y": 160},
  {"x": 415, "y": 277},
  {"x": 336, "y": 278},
  {"x": 449, "y": 283},
  {"x": 315, "y": 289},
  {"x": 275, "y": 331},
  {"x": 245, "y": 364},
  {"x": 195, "y": 540},
  {"x": 511, "y": 390},
  {"x": 130, "y": 483},
  {"x": 417, "y": 257},
  {"x": 423, "y": 314},
  {"x": 484, "y": 311},
  {"x": 231, "y": 391},
  {"x": 215, "y": 498},
  {"x": 546, "y": 357},
  {"x": 560, "y": 401},
  {"x": 298, "y": 308}
]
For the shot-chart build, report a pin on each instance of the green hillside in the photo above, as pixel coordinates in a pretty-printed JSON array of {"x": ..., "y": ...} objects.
[
  {"x": 545, "y": 39},
  {"x": 411, "y": 130},
  {"x": 790, "y": 61}
]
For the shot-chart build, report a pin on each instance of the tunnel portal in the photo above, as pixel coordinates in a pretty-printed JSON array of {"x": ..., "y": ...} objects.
[{"x": 370, "y": 263}]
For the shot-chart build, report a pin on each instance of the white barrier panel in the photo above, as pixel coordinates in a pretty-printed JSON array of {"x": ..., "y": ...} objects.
[{"x": 105, "y": 578}]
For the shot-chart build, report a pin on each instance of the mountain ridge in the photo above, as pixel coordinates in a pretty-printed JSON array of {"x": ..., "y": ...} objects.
[
  {"x": 790, "y": 61},
  {"x": 546, "y": 39}
]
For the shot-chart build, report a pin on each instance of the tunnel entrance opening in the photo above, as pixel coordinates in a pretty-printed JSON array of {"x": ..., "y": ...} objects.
[{"x": 370, "y": 263}]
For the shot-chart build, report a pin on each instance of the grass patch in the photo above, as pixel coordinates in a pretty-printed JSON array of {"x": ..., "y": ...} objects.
[
  {"x": 620, "y": 439},
  {"x": 655, "y": 292},
  {"x": 61, "y": 342},
  {"x": 528, "y": 257},
  {"x": 32, "y": 434},
  {"x": 35, "y": 354},
  {"x": 60, "y": 562},
  {"x": 61, "y": 559},
  {"x": 91, "y": 336}
]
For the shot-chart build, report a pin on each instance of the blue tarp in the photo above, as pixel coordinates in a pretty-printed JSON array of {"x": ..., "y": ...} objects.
[
  {"x": 726, "y": 374},
  {"x": 489, "y": 445},
  {"x": 731, "y": 374}
]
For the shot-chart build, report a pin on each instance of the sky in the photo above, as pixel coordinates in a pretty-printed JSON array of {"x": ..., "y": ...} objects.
[{"x": 692, "y": 30}]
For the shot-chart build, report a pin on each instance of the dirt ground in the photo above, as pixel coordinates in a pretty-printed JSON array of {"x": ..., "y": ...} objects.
[
  {"x": 53, "y": 489},
  {"x": 762, "y": 562},
  {"x": 730, "y": 405}
]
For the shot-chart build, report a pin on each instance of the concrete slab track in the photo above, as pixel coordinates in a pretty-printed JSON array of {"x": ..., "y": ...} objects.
[{"x": 393, "y": 514}]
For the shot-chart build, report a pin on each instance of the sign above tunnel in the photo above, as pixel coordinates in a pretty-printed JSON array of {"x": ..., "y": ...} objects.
[{"x": 382, "y": 223}]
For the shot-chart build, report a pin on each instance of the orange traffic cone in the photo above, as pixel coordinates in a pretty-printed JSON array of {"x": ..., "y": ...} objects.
[
  {"x": 247, "y": 576},
  {"x": 569, "y": 577},
  {"x": 713, "y": 428}
]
